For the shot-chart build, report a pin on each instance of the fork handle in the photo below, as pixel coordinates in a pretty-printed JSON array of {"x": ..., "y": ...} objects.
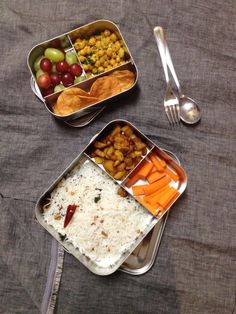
[
  {"x": 171, "y": 67},
  {"x": 159, "y": 36},
  {"x": 168, "y": 58}
]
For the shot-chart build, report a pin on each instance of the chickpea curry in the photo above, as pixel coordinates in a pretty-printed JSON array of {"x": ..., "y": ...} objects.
[{"x": 101, "y": 52}]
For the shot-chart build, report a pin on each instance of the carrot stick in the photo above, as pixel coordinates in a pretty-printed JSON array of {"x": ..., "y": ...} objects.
[
  {"x": 156, "y": 162},
  {"x": 167, "y": 197},
  {"x": 170, "y": 173},
  {"x": 132, "y": 180},
  {"x": 153, "y": 198},
  {"x": 154, "y": 169},
  {"x": 145, "y": 169},
  {"x": 155, "y": 176},
  {"x": 138, "y": 189},
  {"x": 163, "y": 163},
  {"x": 152, "y": 209},
  {"x": 153, "y": 187}
]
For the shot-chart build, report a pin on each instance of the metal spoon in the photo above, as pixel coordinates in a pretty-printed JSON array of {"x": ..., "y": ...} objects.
[{"x": 189, "y": 110}]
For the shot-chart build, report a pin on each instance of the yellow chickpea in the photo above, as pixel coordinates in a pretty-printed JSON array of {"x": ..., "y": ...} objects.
[
  {"x": 82, "y": 58},
  {"x": 101, "y": 69},
  {"x": 97, "y": 64},
  {"x": 94, "y": 70},
  {"x": 105, "y": 42},
  {"x": 102, "y": 60},
  {"x": 109, "y": 67},
  {"x": 105, "y": 64},
  {"x": 107, "y": 33},
  {"x": 116, "y": 46},
  {"x": 121, "y": 52},
  {"x": 112, "y": 62},
  {"x": 92, "y": 41},
  {"x": 118, "y": 59},
  {"x": 98, "y": 44},
  {"x": 86, "y": 67},
  {"x": 82, "y": 52},
  {"x": 100, "y": 53},
  {"x": 109, "y": 52},
  {"x": 114, "y": 55},
  {"x": 89, "y": 50},
  {"x": 113, "y": 37}
]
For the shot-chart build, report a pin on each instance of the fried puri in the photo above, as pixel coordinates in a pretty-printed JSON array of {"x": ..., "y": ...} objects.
[
  {"x": 105, "y": 87},
  {"x": 125, "y": 78},
  {"x": 71, "y": 100}
]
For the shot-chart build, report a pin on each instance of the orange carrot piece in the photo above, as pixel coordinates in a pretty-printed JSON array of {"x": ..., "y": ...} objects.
[
  {"x": 163, "y": 163},
  {"x": 155, "y": 198},
  {"x": 145, "y": 169},
  {"x": 154, "y": 169},
  {"x": 155, "y": 176},
  {"x": 156, "y": 162},
  {"x": 167, "y": 197},
  {"x": 152, "y": 209},
  {"x": 170, "y": 173},
  {"x": 138, "y": 189},
  {"x": 132, "y": 180},
  {"x": 147, "y": 198},
  {"x": 153, "y": 187}
]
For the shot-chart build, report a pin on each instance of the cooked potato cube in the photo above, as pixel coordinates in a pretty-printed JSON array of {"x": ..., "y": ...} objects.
[
  {"x": 99, "y": 160},
  {"x": 98, "y": 144},
  {"x": 119, "y": 175},
  {"x": 99, "y": 153},
  {"x": 109, "y": 165},
  {"x": 119, "y": 156}
]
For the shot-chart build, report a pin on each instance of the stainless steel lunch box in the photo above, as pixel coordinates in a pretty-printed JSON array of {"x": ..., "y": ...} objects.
[
  {"x": 90, "y": 111},
  {"x": 172, "y": 164}
]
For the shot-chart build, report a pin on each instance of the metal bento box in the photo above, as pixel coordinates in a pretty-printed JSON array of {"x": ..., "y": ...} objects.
[
  {"x": 109, "y": 218},
  {"x": 93, "y": 58}
]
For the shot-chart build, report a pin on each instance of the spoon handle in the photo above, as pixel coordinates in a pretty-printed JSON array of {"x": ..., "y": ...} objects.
[{"x": 159, "y": 36}]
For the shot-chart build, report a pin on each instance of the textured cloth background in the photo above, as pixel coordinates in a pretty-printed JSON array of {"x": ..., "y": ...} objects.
[{"x": 196, "y": 264}]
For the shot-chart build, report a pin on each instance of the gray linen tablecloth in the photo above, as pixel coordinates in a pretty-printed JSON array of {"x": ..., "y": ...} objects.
[{"x": 195, "y": 268}]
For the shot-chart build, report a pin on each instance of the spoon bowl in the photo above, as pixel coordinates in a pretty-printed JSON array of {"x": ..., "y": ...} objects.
[{"x": 189, "y": 110}]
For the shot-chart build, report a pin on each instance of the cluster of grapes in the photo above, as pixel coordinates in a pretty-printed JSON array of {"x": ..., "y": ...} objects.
[{"x": 56, "y": 69}]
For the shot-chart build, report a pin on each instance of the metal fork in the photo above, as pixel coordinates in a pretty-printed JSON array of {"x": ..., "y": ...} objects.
[{"x": 171, "y": 101}]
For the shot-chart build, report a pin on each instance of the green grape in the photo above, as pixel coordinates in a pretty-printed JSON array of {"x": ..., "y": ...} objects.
[
  {"x": 37, "y": 63},
  {"x": 71, "y": 58},
  {"x": 54, "y": 54},
  {"x": 64, "y": 41},
  {"x": 79, "y": 79},
  {"x": 40, "y": 72},
  {"x": 58, "y": 88}
]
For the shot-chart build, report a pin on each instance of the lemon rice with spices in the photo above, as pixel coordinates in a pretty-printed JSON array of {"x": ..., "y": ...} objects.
[
  {"x": 104, "y": 225},
  {"x": 101, "y": 52}
]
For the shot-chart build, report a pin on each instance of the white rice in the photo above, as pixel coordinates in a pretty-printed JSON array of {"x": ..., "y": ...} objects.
[{"x": 104, "y": 225}]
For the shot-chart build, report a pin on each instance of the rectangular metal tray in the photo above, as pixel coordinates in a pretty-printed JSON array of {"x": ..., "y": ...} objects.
[
  {"x": 87, "y": 29},
  {"x": 79, "y": 160}
]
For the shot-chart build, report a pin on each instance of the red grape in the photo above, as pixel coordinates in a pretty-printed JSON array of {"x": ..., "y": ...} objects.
[
  {"x": 55, "y": 79},
  {"x": 55, "y": 43},
  {"x": 48, "y": 91},
  {"x": 67, "y": 79},
  {"x": 45, "y": 64},
  {"x": 75, "y": 69},
  {"x": 62, "y": 66},
  {"x": 44, "y": 81}
]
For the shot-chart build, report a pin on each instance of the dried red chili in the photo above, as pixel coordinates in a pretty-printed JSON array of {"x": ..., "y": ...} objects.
[{"x": 69, "y": 214}]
